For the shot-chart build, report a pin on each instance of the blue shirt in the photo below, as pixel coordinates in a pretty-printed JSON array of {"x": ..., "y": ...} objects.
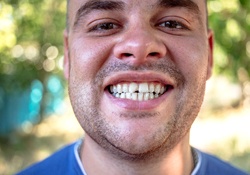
[{"x": 67, "y": 162}]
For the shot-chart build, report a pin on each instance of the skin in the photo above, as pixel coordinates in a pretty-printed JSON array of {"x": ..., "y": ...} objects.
[{"x": 131, "y": 43}]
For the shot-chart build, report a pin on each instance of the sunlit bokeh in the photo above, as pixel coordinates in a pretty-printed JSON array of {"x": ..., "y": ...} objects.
[{"x": 35, "y": 113}]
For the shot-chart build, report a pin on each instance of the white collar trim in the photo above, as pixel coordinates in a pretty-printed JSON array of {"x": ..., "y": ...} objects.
[
  {"x": 79, "y": 162},
  {"x": 198, "y": 165},
  {"x": 77, "y": 156}
]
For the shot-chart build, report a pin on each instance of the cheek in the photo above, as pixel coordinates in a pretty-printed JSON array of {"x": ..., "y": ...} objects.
[
  {"x": 190, "y": 56},
  {"x": 88, "y": 56}
]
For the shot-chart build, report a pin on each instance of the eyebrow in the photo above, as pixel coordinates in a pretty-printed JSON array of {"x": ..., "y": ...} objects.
[
  {"x": 93, "y": 5},
  {"x": 97, "y": 5},
  {"x": 189, "y": 4}
]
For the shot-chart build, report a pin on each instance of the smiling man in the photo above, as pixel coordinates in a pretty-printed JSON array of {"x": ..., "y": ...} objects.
[{"x": 137, "y": 72}]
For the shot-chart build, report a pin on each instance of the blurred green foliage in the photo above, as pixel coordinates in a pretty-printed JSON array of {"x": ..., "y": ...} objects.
[
  {"x": 230, "y": 21},
  {"x": 31, "y": 41},
  {"x": 31, "y": 44}
]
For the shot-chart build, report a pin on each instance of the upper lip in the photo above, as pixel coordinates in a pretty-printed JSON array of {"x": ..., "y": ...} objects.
[{"x": 135, "y": 76}]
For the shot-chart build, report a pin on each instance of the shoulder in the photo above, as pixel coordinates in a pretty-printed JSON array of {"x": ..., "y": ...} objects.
[
  {"x": 61, "y": 162},
  {"x": 211, "y": 165}
]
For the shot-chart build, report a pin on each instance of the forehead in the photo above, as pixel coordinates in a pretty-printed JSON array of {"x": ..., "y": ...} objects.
[{"x": 75, "y": 7}]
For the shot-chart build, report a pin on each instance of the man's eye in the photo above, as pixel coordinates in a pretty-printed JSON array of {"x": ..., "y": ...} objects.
[
  {"x": 104, "y": 26},
  {"x": 172, "y": 25}
]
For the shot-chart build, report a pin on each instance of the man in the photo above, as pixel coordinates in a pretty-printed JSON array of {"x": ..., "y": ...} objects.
[{"x": 137, "y": 72}]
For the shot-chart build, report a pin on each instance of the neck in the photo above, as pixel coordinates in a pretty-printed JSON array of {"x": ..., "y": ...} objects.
[{"x": 178, "y": 161}]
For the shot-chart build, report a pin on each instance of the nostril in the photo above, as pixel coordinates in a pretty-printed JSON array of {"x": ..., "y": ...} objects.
[
  {"x": 127, "y": 54},
  {"x": 154, "y": 54}
]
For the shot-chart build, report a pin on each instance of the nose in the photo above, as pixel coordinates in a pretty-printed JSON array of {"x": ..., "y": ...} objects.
[{"x": 140, "y": 45}]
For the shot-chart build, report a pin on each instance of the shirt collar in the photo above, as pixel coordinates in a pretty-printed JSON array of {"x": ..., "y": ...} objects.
[{"x": 196, "y": 154}]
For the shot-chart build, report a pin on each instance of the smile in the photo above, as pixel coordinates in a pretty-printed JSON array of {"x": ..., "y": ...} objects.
[{"x": 143, "y": 91}]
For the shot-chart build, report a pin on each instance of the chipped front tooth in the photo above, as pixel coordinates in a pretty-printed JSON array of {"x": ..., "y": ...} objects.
[
  {"x": 119, "y": 88},
  {"x": 140, "y": 96},
  {"x": 143, "y": 87},
  {"x": 157, "y": 88},
  {"x": 133, "y": 87},
  {"x": 146, "y": 96},
  {"x": 151, "y": 87},
  {"x": 134, "y": 96}
]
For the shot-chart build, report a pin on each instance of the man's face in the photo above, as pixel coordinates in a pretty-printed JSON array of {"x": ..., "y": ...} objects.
[{"x": 137, "y": 71}]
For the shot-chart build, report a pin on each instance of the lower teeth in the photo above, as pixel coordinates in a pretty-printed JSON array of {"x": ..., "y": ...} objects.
[{"x": 137, "y": 96}]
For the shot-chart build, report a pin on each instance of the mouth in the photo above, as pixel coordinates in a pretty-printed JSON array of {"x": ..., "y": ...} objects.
[{"x": 138, "y": 91}]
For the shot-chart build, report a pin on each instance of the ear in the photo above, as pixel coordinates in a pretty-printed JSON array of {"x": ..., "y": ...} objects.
[
  {"x": 66, "y": 64},
  {"x": 210, "y": 53}
]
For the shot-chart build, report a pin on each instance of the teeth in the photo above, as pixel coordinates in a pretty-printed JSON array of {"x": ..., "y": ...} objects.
[
  {"x": 114, "y": 89},
  {"x": 143, "y": 87},
  {"x": 151, "y": 96},
  {"x": 128, "y": 96},
  {"x": 117, "y": 95},
  {"x": 119, "y": 88},
  {"x": 146, "y": 96},
  {"x": 151, "y": 88},
  {"x": 133, "y": 87},
  {"x": 138, "y": 91},
  {"x": 140, "y": 96},
  {"x": 125, "y": 88},
  {"x": 162, "y": 90},
  {"x": 134, "y": 96},
  {"x": 123, "y": 95},
  {"x": 158, "y": 89}
]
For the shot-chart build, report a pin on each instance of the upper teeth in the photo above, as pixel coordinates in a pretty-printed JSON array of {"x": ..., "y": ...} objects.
[{"x": 138, "y": 91}]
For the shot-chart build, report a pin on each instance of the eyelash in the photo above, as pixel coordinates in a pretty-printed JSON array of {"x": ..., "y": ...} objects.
[
  {"x": 107, "y": 27},
  {"x": 173, "y": 25},
  {"x": 104, "y": 26}
]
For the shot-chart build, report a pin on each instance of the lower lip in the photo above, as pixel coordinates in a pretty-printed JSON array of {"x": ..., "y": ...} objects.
[{"x": 137, "y": 105}]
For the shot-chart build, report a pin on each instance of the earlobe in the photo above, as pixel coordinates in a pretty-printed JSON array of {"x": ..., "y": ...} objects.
[
  {"x": 210, "y": 53},
  {"x": 66, "y": 55}
]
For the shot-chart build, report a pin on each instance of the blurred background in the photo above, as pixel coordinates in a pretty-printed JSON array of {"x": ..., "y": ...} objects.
[{"x": 35, "y": 113}]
